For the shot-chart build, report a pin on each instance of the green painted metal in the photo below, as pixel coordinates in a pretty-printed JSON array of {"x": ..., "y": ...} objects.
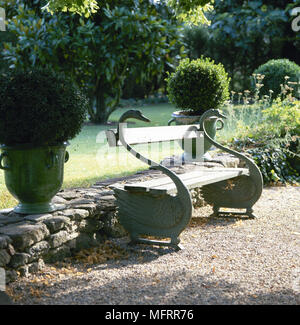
[
  {"x": 160, "y": 214},
  {"x": 33, "y": 175},
  {"x": 211, "y": 127},
  {"x": 239, "y": 193}
]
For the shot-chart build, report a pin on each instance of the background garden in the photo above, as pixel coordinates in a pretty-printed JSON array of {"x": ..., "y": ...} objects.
[{"x": 121, "y": 55}]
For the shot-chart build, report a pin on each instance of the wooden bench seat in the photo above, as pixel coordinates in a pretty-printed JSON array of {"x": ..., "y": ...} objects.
[
  {"x": 162, "y": 207},
  {"x": 194, "y": 179}
]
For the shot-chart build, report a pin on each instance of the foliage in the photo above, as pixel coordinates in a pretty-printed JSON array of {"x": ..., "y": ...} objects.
[
  {"x": 40, "y": 107},
  {"x": 274, "y": 143},
  {"x": 198, "y": 85},
  {"x": 244, "y": 35},
  {"x": 276, "y": 73},
  {"x": 191, "y": 12},
  {"x": 186, "y": 10},
  {"x": 81, "y": 7},
  {"x": 99, "y": 52},
  {"x": 283, "y": 117},
  {"x": 277, "y": 159}
]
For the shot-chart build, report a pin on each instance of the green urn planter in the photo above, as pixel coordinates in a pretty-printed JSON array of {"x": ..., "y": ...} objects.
[
  {"x": 189, "y": 146},
  {"x": 33, "y": 175}
]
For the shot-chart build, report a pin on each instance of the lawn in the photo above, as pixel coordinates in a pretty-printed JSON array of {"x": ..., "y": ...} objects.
[{"x": 91, "y": 159}]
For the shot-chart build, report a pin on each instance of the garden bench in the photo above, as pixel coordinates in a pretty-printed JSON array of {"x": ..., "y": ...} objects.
[{"x": 162, "y": 207}]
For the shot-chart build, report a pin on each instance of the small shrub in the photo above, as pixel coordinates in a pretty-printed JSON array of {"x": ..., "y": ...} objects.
[
  {"x": 277, "y": 161},
  {"x": 39, "y": 107},
  {"x": 283, "y": 117},
  {"x": 276, "y": 73},
  {"x": 198, "y": 85}
]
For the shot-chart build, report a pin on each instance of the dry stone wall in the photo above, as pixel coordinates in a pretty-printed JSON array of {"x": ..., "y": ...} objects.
[{"x": 27, "y": 242}]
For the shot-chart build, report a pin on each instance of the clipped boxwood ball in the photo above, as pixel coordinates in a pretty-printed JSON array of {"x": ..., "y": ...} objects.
[
  {"x": 198, "y": 85},
  {"x": 275, "y": 72},
  {"x": 39, "y": 107}
]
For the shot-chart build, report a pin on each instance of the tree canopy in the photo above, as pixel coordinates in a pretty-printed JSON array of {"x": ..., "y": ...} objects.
[
  {"x": 100, "y": 52},
  {"x": 245, "y": 34},
  {"x": 186, "y": 10}
]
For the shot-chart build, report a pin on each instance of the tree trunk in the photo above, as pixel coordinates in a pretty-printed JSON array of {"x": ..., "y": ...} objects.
[
  {"x": 105, "y": 105},
  {"x": 99, "y": 111},
  {"x": 102, "y": 111}
]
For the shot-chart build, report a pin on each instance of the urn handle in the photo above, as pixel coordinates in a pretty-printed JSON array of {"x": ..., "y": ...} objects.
[
  {"x": 67, "y": 156},
  {"x": 3, "y": 155}
]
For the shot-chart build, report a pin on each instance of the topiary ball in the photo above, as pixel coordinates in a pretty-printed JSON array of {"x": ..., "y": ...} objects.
[
  {"x": 39, "y": 107},
  {"x": 275, "y": 72},
  {"x": 198, "y": 85}
]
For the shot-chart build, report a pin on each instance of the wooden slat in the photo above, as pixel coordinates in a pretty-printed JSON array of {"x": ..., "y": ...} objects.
[
  {"x": 193, "y": 179},
  {"x": 153, "y": 134}
]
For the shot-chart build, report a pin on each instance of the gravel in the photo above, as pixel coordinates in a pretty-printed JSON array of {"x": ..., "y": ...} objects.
[{"x": 224, "y": 261}]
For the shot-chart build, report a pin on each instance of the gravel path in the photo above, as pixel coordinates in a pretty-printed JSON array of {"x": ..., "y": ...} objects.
[{"x": 224, "y": 261}]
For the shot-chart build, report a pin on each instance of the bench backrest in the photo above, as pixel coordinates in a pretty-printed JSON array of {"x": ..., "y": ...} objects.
[{"x": 154, "y": 134}]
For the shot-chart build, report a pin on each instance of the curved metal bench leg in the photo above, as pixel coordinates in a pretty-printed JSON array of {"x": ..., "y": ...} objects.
[
  {"x": 175, "y": 242},
  {"x": 250, "y": 214},
  {"x": 216, "y": 211}
]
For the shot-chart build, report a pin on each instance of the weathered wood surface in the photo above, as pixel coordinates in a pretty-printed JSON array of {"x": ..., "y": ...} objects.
[
  {"x": 164, "y": 185},
  {"x": 153, "y": 134}
]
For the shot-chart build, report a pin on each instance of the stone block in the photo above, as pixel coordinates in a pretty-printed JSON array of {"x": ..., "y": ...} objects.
[
  {"x": 38, "y": 217},
  {"x": 74, "y": 214},
  {"x": 59, "y": 200},
  {"x": 38, "y": 250},
  {"x": 10, "y": 250},
  {"x": 72, "y": 227},
  {"x": 56, "y": 223},
  {"x": 19, "y": 259},
  {"x": 90, "y": 207},
  {"x": 4, "y": 257},
  {"x": 10, "y": 218},
  {"x": 57, "y": 254},
  {"x": 60, "y": 238},
  {"x": 36, "y": 266},
  {"x": 80, "y": 201},
  {"x": 4, "y": 241},
  {"x": 25, "y": 234},
  {"x": 83, "y": 241},
  {"x": 112, "y": 227},
  {"x": 90, "y": 225},
  {"x": 107, "y": 203},
  {"x": 69, "y": 195},
  {"x": 11, "y": 275}
]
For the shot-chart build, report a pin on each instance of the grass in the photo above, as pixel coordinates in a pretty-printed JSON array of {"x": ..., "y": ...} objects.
[{"x": 92, "y": 160}]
